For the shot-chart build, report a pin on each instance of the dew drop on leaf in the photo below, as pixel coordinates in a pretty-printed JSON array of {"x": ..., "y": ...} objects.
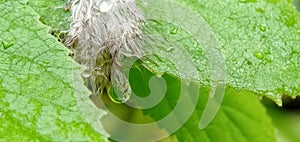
[
  {"x": 258, "y": 55},
  {"x": 121, "y": 93},
  {"x": 269, "y": 59},
  {"x": 262, "y": 28},
  {"x": 120, "y": 90},
  {"x": 247, "y": 1},
  {"x": 86, "y": 74},
  {"x": 46, "y": 61},
  {"x": 171, "y": 48},
  {"x": 260, "y": 10},
  {"x": 233, "y": 59},
  {"x": 174, "y": 30}
]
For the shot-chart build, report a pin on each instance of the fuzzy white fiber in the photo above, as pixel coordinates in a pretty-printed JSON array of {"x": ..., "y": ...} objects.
[{"x": 100, "y": 29}]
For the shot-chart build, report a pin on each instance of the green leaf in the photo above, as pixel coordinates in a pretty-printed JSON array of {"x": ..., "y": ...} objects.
[
  {"x": 297, "y": 4},
  {"x": 37, "y": 100},
  {"x": 259, "y": 39},
  {"x": 54, "y": 13},
  {"x": 241, "y": 116}
]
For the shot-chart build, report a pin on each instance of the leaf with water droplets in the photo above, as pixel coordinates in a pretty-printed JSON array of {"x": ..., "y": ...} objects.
[
  {"x": 54, "y": 13},
  {"x": 260, "y": 41}
]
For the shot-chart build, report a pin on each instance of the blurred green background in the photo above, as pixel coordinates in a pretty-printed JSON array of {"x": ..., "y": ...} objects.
[{"x": 297, "y": 4}]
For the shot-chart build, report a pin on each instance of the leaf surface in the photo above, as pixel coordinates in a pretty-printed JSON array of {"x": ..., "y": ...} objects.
[{"x": 36, "y": 76}]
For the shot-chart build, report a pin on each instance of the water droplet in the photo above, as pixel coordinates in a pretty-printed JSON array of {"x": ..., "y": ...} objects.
[
  {"x": 264, "y": 62},
  {"x": 267, "y": 51},
  {"x": 106, "y": 6},
  {"x": 249, "y": 62},
  {"x": 269, "y": 59},
  {"x": 260, "y": 10},
  {"x": 276, "y": 97},
  {"x": 262, "y": 28},
  {"x": 171, "y": 48},
  {"x": 46, "y": 61},
  {"x": 86, "y": 74},
  {"x": 263, "y": 36},
  {"x": 159, "y": 75},
  {"x": 251, "y": 75},
  {"x": 174, "y": 30},
  {"x": 247, "y": 1},
  {"x": 259, "y": 55},
  {"x": 156, "y": 22},
  {"x": 119, "y": 90},
  {"x": 289, "y": 19},
  {"x": 120, "y": 93}
]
